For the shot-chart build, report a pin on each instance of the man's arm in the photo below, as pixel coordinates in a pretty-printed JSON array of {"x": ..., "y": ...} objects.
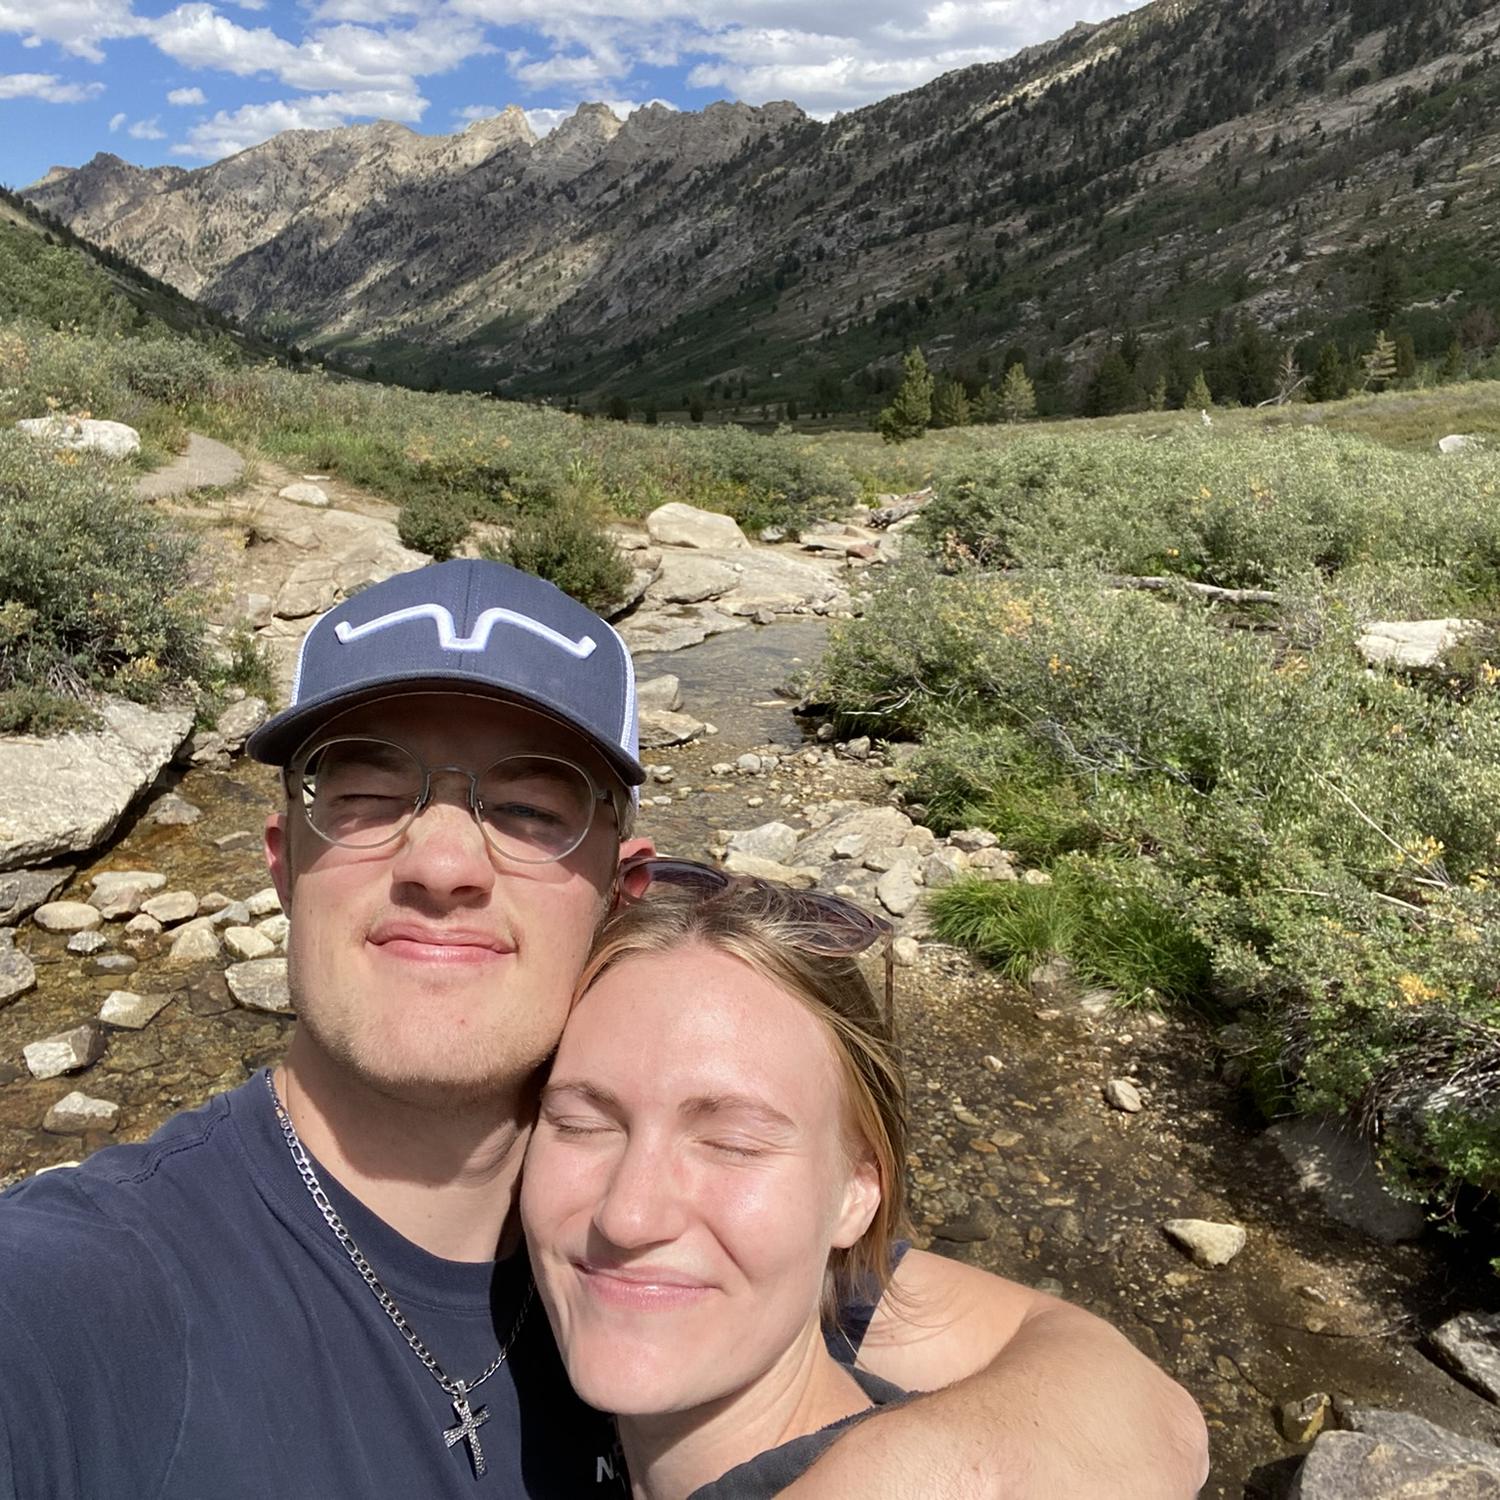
[{"x": 1032, "y": 1399}]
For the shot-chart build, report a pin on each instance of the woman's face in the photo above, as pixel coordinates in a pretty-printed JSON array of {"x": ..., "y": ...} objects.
[{"x": 687, "y": 1180}]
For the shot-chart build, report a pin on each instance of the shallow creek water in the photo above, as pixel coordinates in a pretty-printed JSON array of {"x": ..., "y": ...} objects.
[{"x": 1017, "y": 1165}]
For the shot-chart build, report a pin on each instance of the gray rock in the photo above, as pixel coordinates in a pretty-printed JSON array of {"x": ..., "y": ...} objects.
[
  {"x": 773, "y": 841},
  {"x": 195, "y": 942},
  {"x": 91, "y": 434},
  {"x": 1122, "y": 1094},
  {"x": 66, "y": 1052},
  {"x": 172, "y": 811},
  {"x": 678, "y": 525},
  {"x": 688, "y": 579},
  {"x": 86, "y": 944},
  {"x": 772, "y": 534},
  {"x": 17, "y": 973},
  {"x": 132, "y": 1012},
  {"x": 898, "y": 889},
  {"x": 1456, "y": 442},
  {"x": 1338, "y": 1165},
  {"x": 248, "y": 943},
  {"x": 228, "y": 736},
  {"x": 304, "y": 494},
  {"x": 232, "y": 914},
  {"x": 799, "y": 877},
  {"x": 972, "y": 839},
  {"x": 1412, "y": 643},
  {"x": 1053, "y": 979},
  {"x": 25, "y": 890},
  {"x": 663, "y": 691},
  {"x": 675, "y": 626},
  {"x": 68, "y": 792},
  {"x": 1408, "y": 1430},
  {"x": 876, "y": 827},
  {"x": 77, "y": 1114},
  {"x": 858, "y": 748},
  {"x": 310, "y": 589},
  {"x": 142, "y": 925},
  {"x": 259, "y": 609},
  {"x": 119, "y": 893},
  {"x": 67, "y": 916},
  {"x": 171, "y": 907},
  {"x": 906, "y": 951},
  {"x": 113, "y": 965},
  {"x": 943, "y": 867},
  {"x": 1470, "y": 1346},
  {"x": 276, "y": 928},
  {"x": 777, "y": 583},
  {"x": 1356, "y": 1466},
  {"x": 1209, "y": 1244},
  {"x": 660, "y": 727},
  {"x": 260, "y": 984},
  {"x": 992, "y": 864},
  {"x": 264, "y": 903}
]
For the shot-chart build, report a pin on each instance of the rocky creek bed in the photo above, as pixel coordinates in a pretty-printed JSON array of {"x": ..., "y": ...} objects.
[{"x": 1054, "y": 1135}]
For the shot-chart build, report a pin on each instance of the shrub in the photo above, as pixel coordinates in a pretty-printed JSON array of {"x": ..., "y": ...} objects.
[
  {"x": 96, "y": 589},
  {"x": 434, "y": 524},
  {"x": 569, "y": 547}
]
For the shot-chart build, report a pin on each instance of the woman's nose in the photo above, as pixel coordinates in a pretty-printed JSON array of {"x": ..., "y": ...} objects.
[{"x": 642, "y": 1202}]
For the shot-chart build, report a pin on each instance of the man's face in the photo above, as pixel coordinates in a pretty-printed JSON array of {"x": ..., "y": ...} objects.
[{"x": 433, "y": 968}]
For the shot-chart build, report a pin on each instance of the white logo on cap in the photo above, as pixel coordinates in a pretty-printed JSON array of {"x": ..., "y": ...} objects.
[{"x": 449, "y": 638}]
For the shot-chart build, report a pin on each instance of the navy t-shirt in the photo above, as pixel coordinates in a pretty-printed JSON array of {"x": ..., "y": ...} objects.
[{"x": 177, "y": 1321}]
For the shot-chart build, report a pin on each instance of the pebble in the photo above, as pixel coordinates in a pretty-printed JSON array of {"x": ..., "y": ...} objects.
[
  {"x": 749, "y": 765},
  {"x": 142, "y": 925},
  {"x": 260, "y": 984},
  {"x": 1122, "y": 1094},
  {"x": 120, "y": 893},
  {"x": 211, "y": 902},
  {"x": 131, "y": 1012},
  {"x": 897, "y": 889},
  {"x": 1301, "y": 1421},
  {"x": 755, "y": 801},
  {"x": 67, "y": 916},
  {"x": 248, "y": 943},
  {"x": 171, "y": 907},
  {"x": 1209, "y": 1243},
  {"x": 264, "y": 903},
  {"x": 90, "y": 941},
  {"x": 234, "y": 914},
  {"x": 992, "y": 1062},
  {"x": 275, "y": 928},
  {"x": 66, "y": 1052},
  {"x": 113, "y": 965},
  {"x": 906, "y": 951},
  {"x": 195, "y": 943},
  {"x": 967, "y": 1117},
  {"x": 77, "y": 1114}
]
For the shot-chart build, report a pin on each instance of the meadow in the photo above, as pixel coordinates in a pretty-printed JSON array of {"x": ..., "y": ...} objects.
[{"x": 1238, "y": 815}]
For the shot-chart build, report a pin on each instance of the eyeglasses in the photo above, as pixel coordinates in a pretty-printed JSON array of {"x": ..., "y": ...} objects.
[
  {"x": 363, "y": 793},
  {"x": 832, "y": 926}
]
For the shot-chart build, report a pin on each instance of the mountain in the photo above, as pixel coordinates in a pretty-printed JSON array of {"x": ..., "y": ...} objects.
[{"x": 1305, "y": 168}]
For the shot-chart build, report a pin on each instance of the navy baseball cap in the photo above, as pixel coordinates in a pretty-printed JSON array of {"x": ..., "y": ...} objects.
[{"x": 471, "y": 626}]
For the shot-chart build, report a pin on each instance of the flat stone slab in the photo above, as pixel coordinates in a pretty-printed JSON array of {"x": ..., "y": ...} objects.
[
  {"x": 132, "y": 1012},
  {"x": 17, "y": 973},
  {"x": 304, "y": 493},
  {"x": 1412, "y": 643},
  {"x": 65, "y": 793},
  {"x": 659, "y": 728},
  {"x": 676, "y": 626},
  {"x": 1338, "y": 1166},
  {"x": 25, "y": 890},
  {"x": 1470, "y": 1346},
  {"x": 1356, "y": 1466},
  {"x": 775, "y": 841},
  {"x": 205, "y": 464},
  {"x": 690, "y": 578},
  {"x": 260, "y": 984}
]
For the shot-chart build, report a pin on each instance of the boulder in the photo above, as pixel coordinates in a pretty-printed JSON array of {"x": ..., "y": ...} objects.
[
  {"x": 131, "y": 1012},
  {"x": 1407, "y": 1430},
  {"x": 77, "y": 1114},
  {"x": 17, "y": 973},
  {"x": 944, "y": 866},
  {"x": 773, "y": 841},
  {"x": 228, "y": 735},
  {"x": 776, "y": 582},
  {"x": 688, "y": 578},
  {"x": 663, "y": 691},
  {"x": 68, "y": 792},
  {"x": 1416, "y": 644},
  {"x": 260, "y": 984},
  {"x": 1355, "y": 1466},
  {"x": 25, "y": 890},
  {"x": 898, "y": 889},
  {"x": 1209, "y": 1244},
  {"x": 672, "y": 627},
  {"x": 678, "y": 525},
  {"x": 67, "y": 916},
  {"x": 859, "y": 829},
  {"x": 1456, "y": 442},
  {"x": 799, "y": 877},
  {"x": 120, "y": 893},
  {"x": 1337, "y": 1165},
  {"x": 66, "y": 1052},
  {"x": 304, "y": 493},
  {"x": 1470, "y": 1346},
  {"x": 311, "y": 589},
  {"x": 112, "y": 439},
  {"x": 659, "y": 728}
]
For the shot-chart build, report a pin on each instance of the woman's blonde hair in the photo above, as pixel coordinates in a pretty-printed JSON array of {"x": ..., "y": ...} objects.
[{"x": 761, "y": 927}]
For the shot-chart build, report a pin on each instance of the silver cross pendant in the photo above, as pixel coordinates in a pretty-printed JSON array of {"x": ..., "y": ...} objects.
[{"x": 469, "y": 1423}]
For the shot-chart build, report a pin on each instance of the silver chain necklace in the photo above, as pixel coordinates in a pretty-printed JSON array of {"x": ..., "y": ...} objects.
[{"x": 457, "y": 1391}]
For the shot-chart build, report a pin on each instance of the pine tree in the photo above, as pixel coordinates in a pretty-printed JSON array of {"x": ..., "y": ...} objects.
[
  {"x": 950, "y": 404},
  {"x": 1158, "y": 397},
  {"x": 1199, "y": 397},
  {"x": 1329, "y": 380},
  {"x": 1406, "y": 356},
  {"x": 911, "y": 409},
  {"x": 1454, "y": 367},
  {"x": 1380, "y": 362},
  {"x": 988, "y": 407},
  {"x": 1111, "y": 388},
  {"x": 1018, "y": 395}
]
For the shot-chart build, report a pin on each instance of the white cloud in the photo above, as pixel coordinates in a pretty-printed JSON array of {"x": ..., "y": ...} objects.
[
  {"x": 234, "y": 130},
  {"x": 148, "y": 130},
  {"x": 473, "y": 112},
  {"x": 185, "y": 97},
  {"x": 47, "y": 87},
  {"x": 77, "y": 26},
  {"x": 115, "y": 121}
]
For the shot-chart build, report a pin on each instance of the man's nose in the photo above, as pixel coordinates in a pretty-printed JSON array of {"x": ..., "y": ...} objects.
[{"x": 443, "y": 849}]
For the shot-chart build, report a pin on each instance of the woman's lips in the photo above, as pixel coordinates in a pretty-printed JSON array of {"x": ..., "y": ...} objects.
[{"x": 641, "y": 1288}]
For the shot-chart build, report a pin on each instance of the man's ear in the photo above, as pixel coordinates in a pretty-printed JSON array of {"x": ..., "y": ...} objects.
[
  {"x": 861, "y": 1199},
  {"x": 629, "y": 848},
  {"x": 278, "y": 839}
]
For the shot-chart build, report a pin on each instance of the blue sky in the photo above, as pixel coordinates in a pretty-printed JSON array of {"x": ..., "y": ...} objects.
[{"x": 190, "y": 83}]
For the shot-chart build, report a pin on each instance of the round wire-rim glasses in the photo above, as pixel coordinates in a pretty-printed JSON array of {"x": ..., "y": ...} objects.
[
  {"x": 531, "y": 807},
  {"x": 833, "y": 927}
]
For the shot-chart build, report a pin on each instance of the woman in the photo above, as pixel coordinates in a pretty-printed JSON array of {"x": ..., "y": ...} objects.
[{"x": 718, "y": 1160}]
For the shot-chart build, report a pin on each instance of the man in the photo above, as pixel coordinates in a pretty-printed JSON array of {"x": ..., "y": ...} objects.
[{"x": 312, "y": 1286}]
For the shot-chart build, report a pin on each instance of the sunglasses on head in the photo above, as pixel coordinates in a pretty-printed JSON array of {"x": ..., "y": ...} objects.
[{"x": 832, "y": 926}]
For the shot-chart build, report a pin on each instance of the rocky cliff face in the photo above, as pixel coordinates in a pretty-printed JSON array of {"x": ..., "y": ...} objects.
[{"x": 1185, "y": 159}]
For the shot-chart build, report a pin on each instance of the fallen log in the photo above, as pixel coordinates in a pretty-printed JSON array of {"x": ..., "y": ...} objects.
[{"x": 1203, "y": 590}]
